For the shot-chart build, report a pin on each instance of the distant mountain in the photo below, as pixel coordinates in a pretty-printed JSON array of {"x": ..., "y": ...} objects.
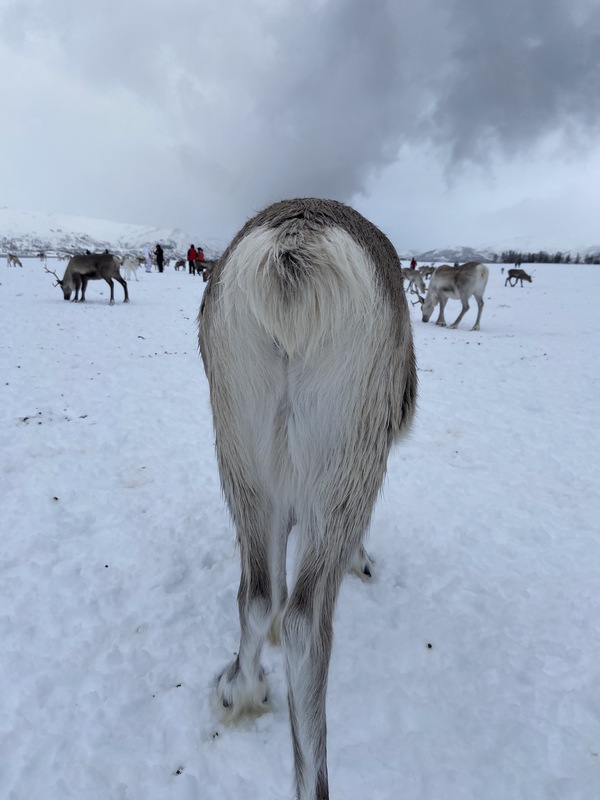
[
  {"x": 448, "y": 255},
  {"x": 27, "y": 233}
]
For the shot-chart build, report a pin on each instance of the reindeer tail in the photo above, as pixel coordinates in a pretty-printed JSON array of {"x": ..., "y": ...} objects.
[{"x": 302, "y": 284}]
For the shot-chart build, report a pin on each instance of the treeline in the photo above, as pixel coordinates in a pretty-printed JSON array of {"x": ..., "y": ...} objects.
[{"x": 542, "y": 257}]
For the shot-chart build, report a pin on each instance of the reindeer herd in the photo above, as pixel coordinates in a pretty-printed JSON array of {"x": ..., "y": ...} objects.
[
  {"x": 431, "y": 285},
  {"x": 97, "y": 266}
]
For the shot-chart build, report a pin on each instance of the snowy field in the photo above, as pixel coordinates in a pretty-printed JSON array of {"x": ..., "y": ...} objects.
[{"x": 118, "y": 568}]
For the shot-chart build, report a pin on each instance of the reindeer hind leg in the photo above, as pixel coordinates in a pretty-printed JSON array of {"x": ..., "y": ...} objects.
[
  {"x": 123, "y": 283},
  {"x": 262, "y": 533},
  {"x": 480, "y": 304}
]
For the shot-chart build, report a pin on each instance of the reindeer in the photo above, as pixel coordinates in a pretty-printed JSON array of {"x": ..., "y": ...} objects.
[
  {"x": 81, "y": 269},
  {"x": 414, "y": 280},
  {"x": 130, "y": 267},
  {"x": 12, "y": 260},
  {"x": 515, "y": 275},
  {"x": 180, "y": 264},
  {"x": 42, "y": 257},
  {"x": 459, "y": 283},
  {"x": 426, "y": 272},
  {"x": 207, "y": 268},
  {"x": 305, "y": 336}
]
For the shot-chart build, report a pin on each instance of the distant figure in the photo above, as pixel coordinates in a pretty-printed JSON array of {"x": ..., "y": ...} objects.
[
  {"x": 192, "y": 255},
  {"x": 199, "y": 260},
  {"x": 160, "y": 258},
  {"x": 413, "y": 263},
  {"x": 148, "y": 258},
  {"x": 456, "y": 263}
]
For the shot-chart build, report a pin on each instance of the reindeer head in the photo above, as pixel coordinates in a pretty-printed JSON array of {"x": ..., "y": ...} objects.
[
  {"x": 427, "y": 305},
  {"x": 66, "y": 289},
  {"x": 421, "y": 300}
]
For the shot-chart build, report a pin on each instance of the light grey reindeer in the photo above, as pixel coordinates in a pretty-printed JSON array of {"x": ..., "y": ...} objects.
[
  {"x": 93, "y": 267},
  {"x": 459, "y": 283},
  {"x": 305, "y": 336}
]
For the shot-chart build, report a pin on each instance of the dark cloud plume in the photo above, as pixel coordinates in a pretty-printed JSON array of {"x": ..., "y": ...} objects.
[{"x": 516, "y": 72}]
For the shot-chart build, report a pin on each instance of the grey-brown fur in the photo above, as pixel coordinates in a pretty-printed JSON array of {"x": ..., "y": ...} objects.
[
  {"x": 312, "y": 378},
  {"x": 94, "y": 267},
  {"x": 515, "y": 275}
]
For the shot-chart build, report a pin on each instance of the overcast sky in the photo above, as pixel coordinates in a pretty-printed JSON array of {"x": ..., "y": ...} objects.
[{"x": 446, "y": 122}]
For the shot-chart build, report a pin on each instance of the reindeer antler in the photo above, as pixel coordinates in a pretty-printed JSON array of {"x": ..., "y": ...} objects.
[
  {"x": 418, "y": 300},
  {"x": 51, "y": 271}
]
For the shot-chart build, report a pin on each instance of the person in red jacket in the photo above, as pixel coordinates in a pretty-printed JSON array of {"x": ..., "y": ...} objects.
[
  {"x": 192, "y": 255},
  {"x": 413, "y": 263}
]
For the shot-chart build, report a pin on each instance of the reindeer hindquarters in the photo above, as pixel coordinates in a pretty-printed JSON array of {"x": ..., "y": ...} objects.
[{"x": 247, "y": 400}]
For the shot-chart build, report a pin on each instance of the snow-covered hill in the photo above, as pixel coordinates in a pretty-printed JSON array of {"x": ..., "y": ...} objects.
[
  {"x": 26, "y": 233},
  {"x": 451, "y": 254}
]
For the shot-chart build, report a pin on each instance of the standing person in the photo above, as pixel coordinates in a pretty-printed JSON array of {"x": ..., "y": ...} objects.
[
  {"x": 192, "y": 255},
  {"x": 413, "y": 263},
  {"x": 199, "y": 260},
  {"x": 148, "y": 258},
  {"x": 160, "y": 258}
]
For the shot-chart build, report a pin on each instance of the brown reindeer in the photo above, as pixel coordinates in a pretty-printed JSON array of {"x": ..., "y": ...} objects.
[
  {"x": 93, "y": 267},
  {"x": 515, "y": 275}
]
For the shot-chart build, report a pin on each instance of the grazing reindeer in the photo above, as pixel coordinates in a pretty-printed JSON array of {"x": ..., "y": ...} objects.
[
  {"x": 42, "y": 257},
  {"x": 96, "y": 266},
  {"x": 459, "y": 283},
  {"x": 515, "y": 275},
  {"x": 180, "y": 264},
  {"x": 306, "y": 342},
  {"x": 12, "y": 260},
  {"x": 414, "y": 280}
]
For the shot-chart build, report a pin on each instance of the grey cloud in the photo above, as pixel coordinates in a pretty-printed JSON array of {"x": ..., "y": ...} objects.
[
  {"x": 518, "y": 71},
  {"x": 259, "y": 100}
]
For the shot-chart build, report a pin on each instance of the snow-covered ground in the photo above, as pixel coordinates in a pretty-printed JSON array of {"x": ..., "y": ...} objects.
[{"x": 118, "y": 570}]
